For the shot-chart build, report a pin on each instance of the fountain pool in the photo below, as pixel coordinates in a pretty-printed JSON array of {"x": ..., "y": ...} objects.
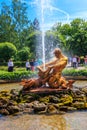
[{"x": 69, "y": 121}]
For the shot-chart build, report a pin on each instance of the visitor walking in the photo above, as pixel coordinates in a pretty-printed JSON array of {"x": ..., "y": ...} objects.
[
  {"x": 10, "y": 65},
  {"x": 85, "y": 60},
  {"x": 39, "y": 61},
  {"x": 78, "y": 61},
  {"x": 28, "y": 65},
  {"x": 32, "y": 64},
  {"x": 74, "y": 61},
  {"x": 35, "y": 64}
]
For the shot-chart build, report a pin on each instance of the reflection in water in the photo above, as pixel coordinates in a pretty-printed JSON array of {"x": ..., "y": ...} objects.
[
  {"x": 68, "y": 121},
  {"x": 10, "y": 86},
  {"x": 80, "y": 83},
  {"x": 76, "y": 120},
  {"x": 33, "y": 122}
]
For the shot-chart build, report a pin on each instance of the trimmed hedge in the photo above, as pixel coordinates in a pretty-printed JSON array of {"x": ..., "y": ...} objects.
[
  {"x": 16, "y": 75},
  {"x": 7, "y": 51},
  {"x": 74, "y": 72}
]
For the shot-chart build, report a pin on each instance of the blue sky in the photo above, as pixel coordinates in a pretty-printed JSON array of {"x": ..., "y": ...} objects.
[{"x": 50, "y": 12}]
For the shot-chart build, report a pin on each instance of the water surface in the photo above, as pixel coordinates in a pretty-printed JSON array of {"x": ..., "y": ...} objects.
[{"x": 69, "y": 121}]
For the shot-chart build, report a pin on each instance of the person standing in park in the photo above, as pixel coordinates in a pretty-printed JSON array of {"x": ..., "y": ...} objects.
[
  {"x": 35, "y": 64},
  {"x": 28, "y": 65},
  {"x": 32, "y": 64},
  {"x": 85, "y": 60},
  {"x": 74, "y": 61},
  {"x": 10, "y": 65}
]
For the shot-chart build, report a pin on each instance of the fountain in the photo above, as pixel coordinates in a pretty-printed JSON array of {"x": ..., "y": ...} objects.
[
  {"x": 61, "y": 99},
  {"x": 48, "y": 75},
  {"x": 43, "y": 33},
  {"x": 49, "y": 93}
]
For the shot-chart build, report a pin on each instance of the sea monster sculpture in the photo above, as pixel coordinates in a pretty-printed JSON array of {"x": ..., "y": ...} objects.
[{"x": 52, "y": 76}]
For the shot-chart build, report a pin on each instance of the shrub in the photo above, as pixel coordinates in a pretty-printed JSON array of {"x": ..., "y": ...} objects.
[
  {"x": 7, "y": 50},
  {"x": 74, "y": 72},
  {"x": 16, "y": 75},
  {"x": 19, "y": 64},
  {"x": 24, "y": 54}
]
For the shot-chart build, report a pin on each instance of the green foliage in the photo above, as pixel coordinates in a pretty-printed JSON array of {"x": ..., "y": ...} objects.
[
  {"x": 7, "y": 27},
  {"x": 19, "y": 64},
  {"x": 19, "y": 17},
  {"x": 20, "y": 73},
  {"x": 13, "y": 20},
  {"x": 16, "y": 28},
  {"x": 33, "y": 40},
  {"x": 24, "y": 54},
  {"x": 73, "y": 37},
  {"x": 51, "y": 41},
  {"x": 75, "y": 72},
  {"x": 4, "y": 68},
  {"x": 16, "y": 75},
  {"x": 7, "y": 50}
]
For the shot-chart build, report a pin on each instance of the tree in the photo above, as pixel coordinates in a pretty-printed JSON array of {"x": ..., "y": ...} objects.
[
  {"x": 19, "y": 14},
  {"x": 19, "y": 18},
  {"x": 24, "y": 54},
  {"x": 33, "y": 39},
  {"x": 7, "y": 28},
  {"x": 64, "y": 35},
  {"x": 35, "y": 24},
  {"x": 73, "y": 37},
  {"x": 78, "y": 42},
  {"x": 13, "y": 21},
  {"x": 7, "y": 50},
  {"x": 51, "y": 41}
]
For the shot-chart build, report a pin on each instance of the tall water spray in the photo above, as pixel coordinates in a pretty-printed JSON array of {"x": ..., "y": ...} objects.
[
  {"x": 45, "y": 8},
  {"x": 43, "y": 32},
  {"x": 48, "y": 15}
]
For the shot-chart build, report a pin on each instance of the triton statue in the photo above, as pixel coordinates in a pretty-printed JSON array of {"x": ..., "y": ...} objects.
[{"x": 51, "y": 76}]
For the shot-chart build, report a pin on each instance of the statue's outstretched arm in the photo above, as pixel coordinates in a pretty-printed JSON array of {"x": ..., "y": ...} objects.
[
  {"x": 60, "y": 64},
  {"x": 48, "y": 64}
]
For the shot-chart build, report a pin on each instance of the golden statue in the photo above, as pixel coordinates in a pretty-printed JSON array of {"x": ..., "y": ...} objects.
[{"x": 52, "y": 75}]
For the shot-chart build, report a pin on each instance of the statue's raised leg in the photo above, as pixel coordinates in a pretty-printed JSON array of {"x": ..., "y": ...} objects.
[{"x": 44, "y": 73}]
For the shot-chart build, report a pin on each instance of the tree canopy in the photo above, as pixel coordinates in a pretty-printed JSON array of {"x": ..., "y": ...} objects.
[
  {"x": 18, "y": 29},
  {"x": 7, "y": 50}
]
